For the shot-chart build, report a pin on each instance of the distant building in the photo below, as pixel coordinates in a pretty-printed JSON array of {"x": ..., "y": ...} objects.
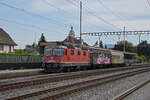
[
  {"x": 70, "y": 41},
  {"x": 6, "y": 42},
  {"x": 32, "y": 49},
  {"x": 72, "y": 33}
]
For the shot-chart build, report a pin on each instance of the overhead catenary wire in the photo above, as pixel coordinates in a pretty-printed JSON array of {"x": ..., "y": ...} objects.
[
  {"x": 26, "y": 25},
  {"x": 102, "y": 19},
  {"x": 107, "y": 8},
  {"x": 33, "y": 14},
  {"x": 52, "y": 5},
  {"x": 31, "y": 26},
  {"x": 98, "y": 17},
  {"x": 59, "y": 9},
  {"x": 115, "y": 14},
  {"x": 71, "y": 2},
  {"x": 148, "y": 2},
  {"x": 93, "y": 14}
]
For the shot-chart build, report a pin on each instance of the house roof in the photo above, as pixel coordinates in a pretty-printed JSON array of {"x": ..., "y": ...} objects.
[
  {"x": 74, "y": 40},
  {"x": 54, "y": 43},
  {"x": 5, "y": 39}
]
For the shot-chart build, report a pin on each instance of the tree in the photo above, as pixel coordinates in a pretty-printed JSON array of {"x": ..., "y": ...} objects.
[
  {"x": 33, "y": 48},
  {"x": 142, "y": 58},
  {"x": 33, "y": 45},
  {"x": 101, "y": 44},
  {"x": 128, "y": 46},
  {"x": 96, "y": 43},
  {"x": 41, "y": 48},
  {"x": 143, "y": 49}
]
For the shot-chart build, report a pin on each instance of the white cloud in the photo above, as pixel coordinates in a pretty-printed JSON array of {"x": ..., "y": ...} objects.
[
  {"x": 129, "y": 6},
  {"x": 126, "y": 8},
  {"x": 132, "y": 13},
  {"x": 39, "y": 6}
]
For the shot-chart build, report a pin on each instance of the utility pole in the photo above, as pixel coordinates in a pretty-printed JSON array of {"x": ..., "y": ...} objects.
[
  {"x": 81, "y": 21},
  {"x": 124, "y": 44},
  {"x": 139, "y": 38},
  {"x": 99, "y": 40}
]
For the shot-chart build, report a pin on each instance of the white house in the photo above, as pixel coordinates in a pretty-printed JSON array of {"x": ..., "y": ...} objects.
[{"x": 6, "y": 42}]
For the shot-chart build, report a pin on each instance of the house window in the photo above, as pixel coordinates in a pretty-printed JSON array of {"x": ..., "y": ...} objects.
[{"x": 1, "y": 47}]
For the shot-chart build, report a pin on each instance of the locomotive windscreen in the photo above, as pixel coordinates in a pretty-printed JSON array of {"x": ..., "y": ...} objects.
[
  {"x": 48, "y": 52},
  {"x": 58, "y": 52},
  {"x": 54, "y": 52}
]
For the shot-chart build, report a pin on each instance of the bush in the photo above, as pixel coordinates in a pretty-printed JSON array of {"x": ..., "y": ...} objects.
[{"x": 142, "y": 58}]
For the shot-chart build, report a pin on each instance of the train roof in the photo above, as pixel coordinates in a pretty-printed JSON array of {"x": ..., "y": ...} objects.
[
  {"x": 56, "y": 46},
  {"x": 125, "y": 53},
  {"x": 117, "y": 53},
  {"x": 62, "y": 47}
]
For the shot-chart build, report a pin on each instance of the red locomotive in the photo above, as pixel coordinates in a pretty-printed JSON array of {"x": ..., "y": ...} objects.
[{"x": 61, "y": 58}]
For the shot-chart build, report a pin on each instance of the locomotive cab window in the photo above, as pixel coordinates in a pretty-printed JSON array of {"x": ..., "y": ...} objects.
[
  {"x": 84, "y": 53},
  {"x": 48, "y": 52},
  {"x": 66, "y": 51},
  {"x": 58, "y": 52},
  {"x": 72, "y": 52},
  {"x": 79, "y": 53}
]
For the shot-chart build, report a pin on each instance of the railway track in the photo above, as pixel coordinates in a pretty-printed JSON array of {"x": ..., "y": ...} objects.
[
  {"x": 58, "y": 92},
  {"x": 55, "y": 78},
  {"x": 9, "y": 74},
  {"x": 130, "y": 91},
  {"x": 39, "y": 74},
  {"x": 28, "y": 75}
]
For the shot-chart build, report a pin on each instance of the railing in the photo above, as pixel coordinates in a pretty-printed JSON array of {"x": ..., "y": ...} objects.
[{"x": 20, "y": 59}]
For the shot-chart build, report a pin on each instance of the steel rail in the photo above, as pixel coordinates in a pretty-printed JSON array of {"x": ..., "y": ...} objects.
[
  {"x": 56, "y": 79},
  {"x": 130, "y": 91},
  {"x": 79, "y": 86},
  {"x": 113, "y": 78}
]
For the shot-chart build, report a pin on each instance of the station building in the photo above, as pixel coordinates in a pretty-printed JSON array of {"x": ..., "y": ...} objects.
[{"x": 69, "y": 41}]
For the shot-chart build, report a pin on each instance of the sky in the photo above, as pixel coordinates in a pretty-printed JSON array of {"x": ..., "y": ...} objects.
[{"x": 25, "y": 20}]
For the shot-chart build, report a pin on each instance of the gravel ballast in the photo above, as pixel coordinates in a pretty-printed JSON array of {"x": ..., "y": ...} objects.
[
  {"x": 35, "y": 77},
  {"x": 106, "y": 92},
  {"x": 31, "y": 89},
  {"x": 141, "y": 94},
  {"x": 110, "y": 90}
]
